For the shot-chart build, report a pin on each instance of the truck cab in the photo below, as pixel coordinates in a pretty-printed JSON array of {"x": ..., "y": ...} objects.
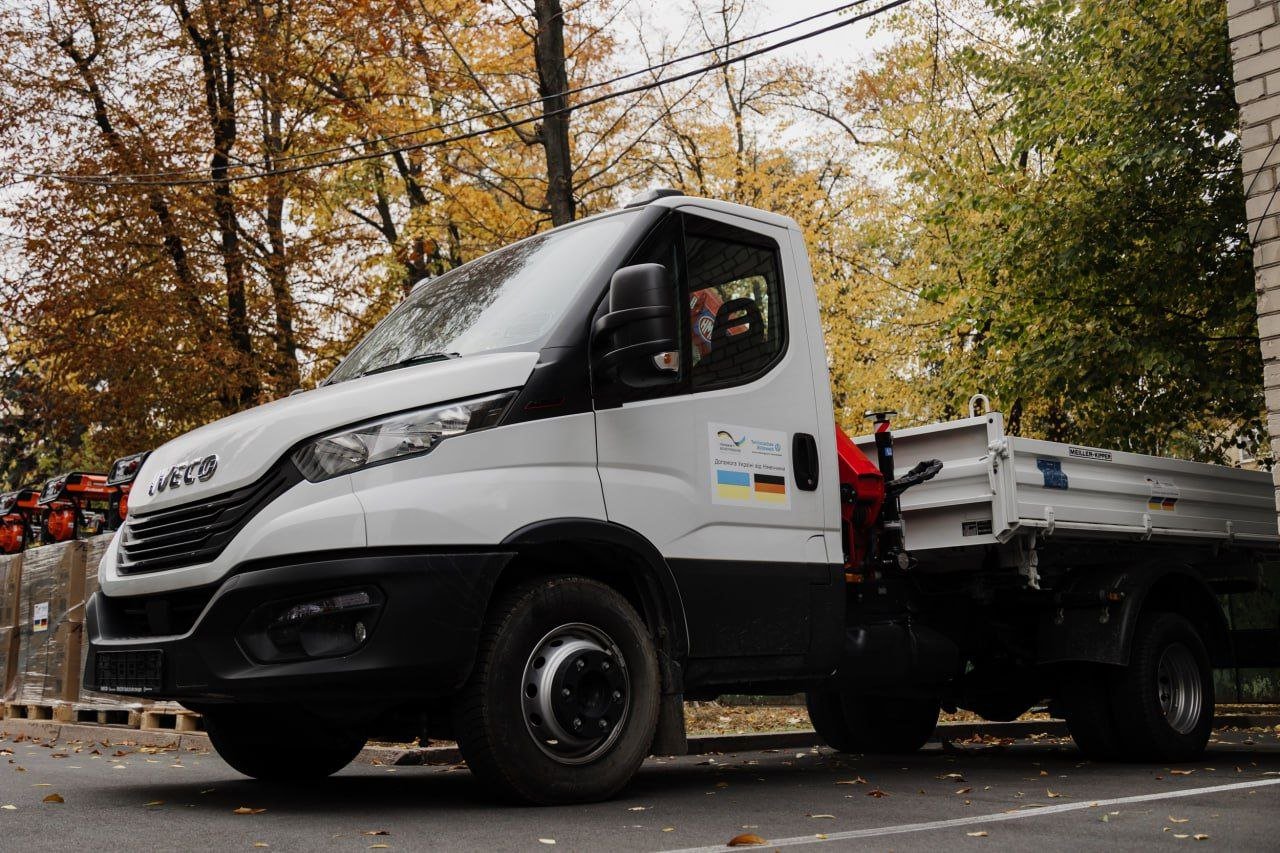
[
  {"x": 489, "y": 453},
  {"x": 555, "y": 492}
]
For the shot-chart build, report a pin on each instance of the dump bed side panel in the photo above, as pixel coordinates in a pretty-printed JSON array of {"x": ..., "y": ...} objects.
[
  {"x": 993, "y": 487},
  {"x": 1114, "y": 491}
]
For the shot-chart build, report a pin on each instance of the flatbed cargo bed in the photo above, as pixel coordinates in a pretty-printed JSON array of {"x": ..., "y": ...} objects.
[{"x": 994, "y": 488}]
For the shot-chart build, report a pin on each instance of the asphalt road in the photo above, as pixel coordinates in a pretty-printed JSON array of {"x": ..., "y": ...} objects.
[{"x": 1028, "y": 795}]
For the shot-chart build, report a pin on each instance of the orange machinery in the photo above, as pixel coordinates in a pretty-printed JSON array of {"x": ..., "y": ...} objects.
[
  {"x": 123, "y": 472},
  {"x": 19, "y": 512},
  {"x": 74, "y": 502}
]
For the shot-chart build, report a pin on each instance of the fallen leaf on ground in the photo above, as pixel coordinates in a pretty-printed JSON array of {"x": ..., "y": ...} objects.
[
  {"x": 9, "y": 807},
  {"x": 1182, "y": 835},
  {"x": 745, "y": 840},
  {"x": 668, "y": 829},
  {"x": 856, "y": 780},
  {"x": 825, "y": 816},
  {"x": 156, "y": 803},
  {"x": 53, "y": 798},
  {"x": 247, "y": 810},
  {"x": 982, "y": 833},
  {"x": 877, "y": 793},
  {"x": 1200, "y": 836},
  {"x": 375, "y": 832},
  {"x": 1173, "y": 819},
  {"x": 964, "y": 791},
  {"x": 261, "y": 844},
  {"x": 952, "y": 777},
  {"x": 1053, "y": 795},
  {"x": 638, "y": 809},
  {"x": 1181, "y": 772},
  {"x": 377, "y": 846}
]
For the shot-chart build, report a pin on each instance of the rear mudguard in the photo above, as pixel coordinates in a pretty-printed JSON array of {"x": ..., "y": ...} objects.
[{"x": 1102, "y": 632}]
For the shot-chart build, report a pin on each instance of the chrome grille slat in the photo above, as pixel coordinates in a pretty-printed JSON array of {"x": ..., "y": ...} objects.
[{"x": 197, "y": 532}]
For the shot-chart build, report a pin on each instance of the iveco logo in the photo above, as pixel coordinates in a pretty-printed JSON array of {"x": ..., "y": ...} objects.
[{"x": 185, "y": 474}]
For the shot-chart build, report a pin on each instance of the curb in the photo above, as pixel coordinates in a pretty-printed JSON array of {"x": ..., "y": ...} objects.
[{"x": 391, "y": 756}]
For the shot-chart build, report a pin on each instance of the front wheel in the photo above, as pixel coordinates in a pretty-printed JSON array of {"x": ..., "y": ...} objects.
[
  {"x": 850, "y": 722},
  {"x": 563, "y": 702},
  {"x": 276, "y": 744}
]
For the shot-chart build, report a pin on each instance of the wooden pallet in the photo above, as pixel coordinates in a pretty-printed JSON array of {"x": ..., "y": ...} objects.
[
  {"x": 30, "y": 710},
  {"x": 93, "y": 715},
  {"x": 168, "y": 718}
]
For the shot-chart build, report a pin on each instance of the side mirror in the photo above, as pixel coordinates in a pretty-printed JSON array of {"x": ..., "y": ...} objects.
[{"x": 640, "y": 325}]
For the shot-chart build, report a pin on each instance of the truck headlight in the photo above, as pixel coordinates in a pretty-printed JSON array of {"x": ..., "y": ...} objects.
[{"x": 395, "y": 437}]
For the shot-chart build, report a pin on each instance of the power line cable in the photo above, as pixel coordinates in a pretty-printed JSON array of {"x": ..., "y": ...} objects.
[
  {"x": 161, "y": 179},
  {"x": 499, "y": 111}
]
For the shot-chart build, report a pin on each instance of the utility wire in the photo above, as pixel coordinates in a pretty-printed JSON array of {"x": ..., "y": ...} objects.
[{"x": 159, "y": 179}]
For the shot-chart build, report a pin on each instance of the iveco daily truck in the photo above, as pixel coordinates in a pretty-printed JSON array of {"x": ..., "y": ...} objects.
[{"x": 567, "y": 485}]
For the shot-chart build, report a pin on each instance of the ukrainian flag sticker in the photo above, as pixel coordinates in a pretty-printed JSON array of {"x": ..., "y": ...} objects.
[{"x": 733, "y": 485}]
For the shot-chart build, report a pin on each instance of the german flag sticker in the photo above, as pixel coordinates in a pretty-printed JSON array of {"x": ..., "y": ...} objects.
[{"x": 770, "y": 488}]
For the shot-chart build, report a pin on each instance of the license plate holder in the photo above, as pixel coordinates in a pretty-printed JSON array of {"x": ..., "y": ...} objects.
[{"x": 135, "y": 671}]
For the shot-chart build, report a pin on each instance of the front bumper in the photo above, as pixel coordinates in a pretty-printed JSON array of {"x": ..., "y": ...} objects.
[{"x": 421, "y": 646}]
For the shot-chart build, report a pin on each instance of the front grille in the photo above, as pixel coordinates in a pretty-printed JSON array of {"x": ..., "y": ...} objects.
[{"x": 197, "y": 532}]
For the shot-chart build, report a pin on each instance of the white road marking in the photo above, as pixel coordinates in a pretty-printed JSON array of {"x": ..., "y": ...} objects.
[{"x": 903, "y": 828}]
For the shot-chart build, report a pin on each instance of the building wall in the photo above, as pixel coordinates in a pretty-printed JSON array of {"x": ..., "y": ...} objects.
[{"x": 1254, "y": 26}]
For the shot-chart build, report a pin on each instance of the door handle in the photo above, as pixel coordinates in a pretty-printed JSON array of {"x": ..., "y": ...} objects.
[{"x": 804, "y": 461}]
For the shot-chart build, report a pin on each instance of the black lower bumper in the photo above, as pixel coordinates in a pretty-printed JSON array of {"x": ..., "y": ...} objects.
[{"x": 421, "y": 644}]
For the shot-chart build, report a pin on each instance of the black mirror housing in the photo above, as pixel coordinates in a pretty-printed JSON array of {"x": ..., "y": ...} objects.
[{"x": 641, "y": 324}]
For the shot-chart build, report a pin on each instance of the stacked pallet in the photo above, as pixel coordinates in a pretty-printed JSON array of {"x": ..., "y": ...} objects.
[
  {"x": 42, "y": 648},
  {"x": 10, "y": 588}
]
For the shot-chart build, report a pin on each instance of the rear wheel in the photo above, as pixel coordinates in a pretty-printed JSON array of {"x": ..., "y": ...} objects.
[
  {"x": 1163, "y": 704},
  {"x": 850, "y": 722},
  {"x": 563, "y": 701},
  {"x": 277, "y": 744}
]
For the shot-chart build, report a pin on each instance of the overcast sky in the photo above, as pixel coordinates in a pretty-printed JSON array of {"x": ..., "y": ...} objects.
[{"x": 851, "y": 45}]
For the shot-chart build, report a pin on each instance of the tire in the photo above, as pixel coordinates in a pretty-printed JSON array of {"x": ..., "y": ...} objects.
[
  {"x": 826, "y": 713},
  {"x": 1086, "y": 705},
  {"x": 279, "y": 744},
  {"x": 1163, "y": 703},
  {"x": 526, "y": 739},
  {"x": 872, "y": 724}
]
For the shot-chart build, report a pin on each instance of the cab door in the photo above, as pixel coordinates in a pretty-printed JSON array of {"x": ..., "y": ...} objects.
[{"x": 705, "y": 466}]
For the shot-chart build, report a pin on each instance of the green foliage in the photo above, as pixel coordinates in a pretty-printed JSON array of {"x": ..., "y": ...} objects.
[{"x": 1104, "y": 288}]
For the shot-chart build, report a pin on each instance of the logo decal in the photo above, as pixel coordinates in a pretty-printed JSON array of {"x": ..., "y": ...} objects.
[
  {"x": 726, "y": 438},
  {"x": 185, "y": 474}
]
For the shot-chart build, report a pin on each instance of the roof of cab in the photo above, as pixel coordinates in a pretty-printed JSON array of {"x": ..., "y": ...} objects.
[{"x": 673, "y": 199}]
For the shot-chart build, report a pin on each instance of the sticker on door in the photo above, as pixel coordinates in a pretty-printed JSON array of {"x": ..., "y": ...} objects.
[{"x": 749, "y": 467}]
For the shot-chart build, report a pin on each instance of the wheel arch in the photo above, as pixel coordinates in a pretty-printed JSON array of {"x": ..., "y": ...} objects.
[
  {"x": 1103, "y": 633},
  {"x": 615, "y": 555}
]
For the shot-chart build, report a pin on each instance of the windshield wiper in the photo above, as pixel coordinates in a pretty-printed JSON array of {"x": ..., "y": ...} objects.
[{"x": 421, "y": 358}]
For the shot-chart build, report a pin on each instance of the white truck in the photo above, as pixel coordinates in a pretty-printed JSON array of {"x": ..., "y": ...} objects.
[{"x": 576, "y": 481}]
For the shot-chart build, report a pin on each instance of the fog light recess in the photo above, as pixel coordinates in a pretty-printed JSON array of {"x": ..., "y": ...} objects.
[{"x": 329, "y": 625}]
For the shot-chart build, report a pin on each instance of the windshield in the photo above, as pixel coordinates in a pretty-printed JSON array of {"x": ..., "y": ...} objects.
[{"x": 506, "y": 299}]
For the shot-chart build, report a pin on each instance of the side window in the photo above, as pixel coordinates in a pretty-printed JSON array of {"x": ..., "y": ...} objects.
[{"x": 736, "y": 327}]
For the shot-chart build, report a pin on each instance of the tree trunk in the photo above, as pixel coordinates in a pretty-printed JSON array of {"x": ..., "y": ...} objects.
[
  {"x": 287, "y": 372},
  {"x": 219, "y": 78},
  {"x": 553, "y": 81}
]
